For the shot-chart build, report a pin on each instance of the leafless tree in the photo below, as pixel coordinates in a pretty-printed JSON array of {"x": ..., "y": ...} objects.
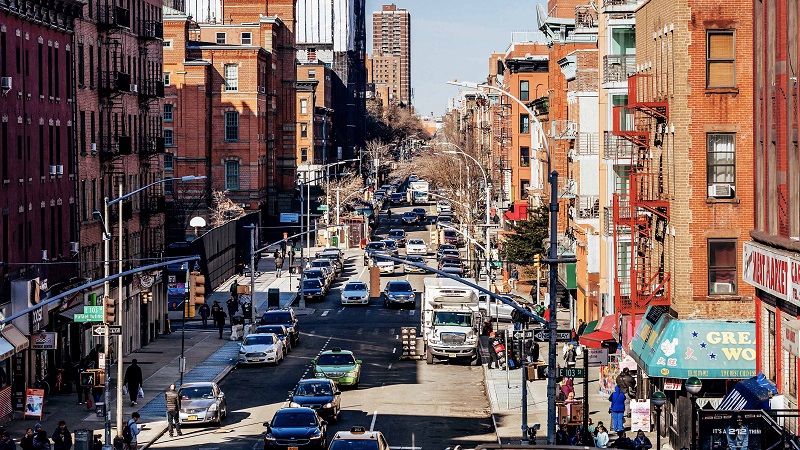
[{"x": 223, "y": 209}]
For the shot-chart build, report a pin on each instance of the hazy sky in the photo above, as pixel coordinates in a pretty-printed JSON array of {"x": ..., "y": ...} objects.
[{"x": 452, "y": 39}]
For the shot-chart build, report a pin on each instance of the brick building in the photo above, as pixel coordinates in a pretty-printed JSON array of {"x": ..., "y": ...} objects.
[
  {"x": 230, "y": 104},
  {"x": 771, "y": 261},
  {"x": 321, "y": 133},
  {"x": 391, "y": 37}
]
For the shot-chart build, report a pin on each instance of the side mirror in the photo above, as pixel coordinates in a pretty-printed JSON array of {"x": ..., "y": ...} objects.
[
  {"x": 313, "y": 362},
  {"x": 358, "y": 361},
  {"x": 337, "y": 393},
  {"x": 266, "y": 424}
]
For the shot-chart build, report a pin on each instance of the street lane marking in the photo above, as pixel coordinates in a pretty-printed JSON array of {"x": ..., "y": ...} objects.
[
  {"x": 394, "y": 350},
  {"x": 372, "y": 425},
  {"x": 390, "y": 366},
  {"x": 360, "y": 330},
  {"x": 325, "y": 313}
]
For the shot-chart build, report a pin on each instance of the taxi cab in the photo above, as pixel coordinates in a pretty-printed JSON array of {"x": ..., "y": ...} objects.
[
  {"x": 338, "y": 365},
  {"x": 358, "y": 438}
]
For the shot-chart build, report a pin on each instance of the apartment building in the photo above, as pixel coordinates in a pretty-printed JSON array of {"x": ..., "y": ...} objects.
[
  {"x": 391, "y": 37},
  {"x": 321, "y": 126}
]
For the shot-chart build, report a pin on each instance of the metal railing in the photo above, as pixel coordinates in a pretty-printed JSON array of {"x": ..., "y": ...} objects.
[
  {"x": 587, "y": 144},
  {"x": 563, "y": 129},
  {"x": 616, "y": 148},
  {"x": 617, "y": 67},
  {"x": 588, "y": 207},
  {"x": 621, "y": 5}
]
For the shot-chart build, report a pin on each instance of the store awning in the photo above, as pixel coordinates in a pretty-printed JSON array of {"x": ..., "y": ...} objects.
[
  {"x": 702, "y": 348},
  {"x": 6, "y": 349},
  {"x": 15, "y": 338},
  {"x": 599, "y": 332},
  {"x": 69, "y": 313},
  {"x": 753, "y": 393}
]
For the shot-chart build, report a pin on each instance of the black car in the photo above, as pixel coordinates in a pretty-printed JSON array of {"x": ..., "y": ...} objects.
[
  {"x": 372, "y": 247},
  {"x": 398, "y": 236},
  {"x": 398, "y": 293},
  {"x": 421, "y": 213},
  {"x": 285, "y": 317},
  {"x": 296, "y": 428},
  {"x": 391, "y": 246},
  {"x": 319, "y": 394},
  {"x": 397, "y": 198},
  {"x": 410, "y": 218},
  {"x": 312, "y": 289},
  {"x": 310, "y": 274}
]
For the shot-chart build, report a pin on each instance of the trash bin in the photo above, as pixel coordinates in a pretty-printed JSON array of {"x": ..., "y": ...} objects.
[
  {"x": 82, "y": 439},
  {"x": 273, "y": 298}
]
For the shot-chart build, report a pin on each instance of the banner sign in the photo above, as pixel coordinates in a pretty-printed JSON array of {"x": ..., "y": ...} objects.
[
  {"x": 34, "y": 403},
  {"x": 737, "y": 430},
  {"x": 772, "y": 271},
  {"x": 640, "y": 415}
]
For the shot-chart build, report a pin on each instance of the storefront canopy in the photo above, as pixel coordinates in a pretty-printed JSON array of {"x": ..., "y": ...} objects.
[
  {"x": 664, "y": 346},
  {"x": 600, "y": 331},
  {"x": 15, "y": 338},
  {"x": 753, "y": 393}
]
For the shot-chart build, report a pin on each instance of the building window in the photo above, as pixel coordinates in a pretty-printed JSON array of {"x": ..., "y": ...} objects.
[
  {"x": 524, "y": 124},
  {"x": 722, "y": 266},
  {"x": 312, "y": 74},
  {"x": 721, "y": 163},
  {"x": 247, "y": 38},
  {"x": 524, "y": 91},
  {"x": 524, "y": 156},
  {"x": 231, "y": 126},
  {"x": 167, "y": 44},
  {"x": 169, "y": 161},
  {"x": 169, "y": 186},
  {"x": 166, "y": 78},
  {"x": 168, "y": 112},
  {"x": 169, "y": 138},
  {"x": 231, "y": 77},
  {"x": 303, "y": 130},
  {"x": 303, "y": 154},
  {"x": 523, "y": 188},
  {"x": 768, "y": 344},
  {"x": 720, "y": 59},
  {"x": 303, "y": 106},
  {"x": 220, "y": 38},
  {"x": 231, "y": 175}
]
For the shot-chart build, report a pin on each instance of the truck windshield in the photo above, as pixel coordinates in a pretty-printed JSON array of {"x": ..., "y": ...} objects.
[{"x": 453, "y": 319}]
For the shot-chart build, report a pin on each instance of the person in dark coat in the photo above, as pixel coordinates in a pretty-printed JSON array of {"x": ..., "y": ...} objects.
[
  {"x": 533, "y": 351},
  {"x": 205, "y": 311},
  {"x": 26, "y": 442},
  {"x": 622, "y": 441},
  {"x": 627, "y": 385},
  {"x": 278, "y": 266},
  {"x": 6, "y": 443},
  {"x": 617, "y": 400},
  {"x": 173, "y": 401},
  {"x": 219, "y": 320},
  {"x": 133, "y": 379},
  {"x": 570, "y": 356},
  {"x": 581, "y": 327},
  {"x": 62, "y": 438},
  {"x": 642, "y": 442},
  {"x": 40, "y": 441},
  {"x": 233, "y": 307},
  {"x": 562, "y": 436}
]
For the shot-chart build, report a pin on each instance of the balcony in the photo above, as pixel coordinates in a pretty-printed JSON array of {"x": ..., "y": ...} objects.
[
  {"x": 587, "y": 144},
  {"x": 113, "y": 17},
  {"x": 153, "y": 204},
  {"x": 616, "y": 69},
  {"x": 151, "y": 145},
  {"x": 113, "y": 146},
  {"x": 585, "y": 19},
  {"x": 114, "y": 82},
  {"x": 564, "y": 129},
  {"x": 151, "y": 89},
  {"x": 620, "y": 6},
  {"x": 151, "y": 30},
  {"x": 616, "y": 148},
  {"x": 587, "y": 207}
]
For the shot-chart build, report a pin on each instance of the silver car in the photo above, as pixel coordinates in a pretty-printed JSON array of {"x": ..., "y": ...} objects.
[
  {"x": 355, "y": 292},
  {"x": 202, "y": 403}
]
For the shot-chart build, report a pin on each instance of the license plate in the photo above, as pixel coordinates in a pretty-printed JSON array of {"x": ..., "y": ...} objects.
[
  {"x": 256, "y": 359},
  {"x": 192, "y": 418},
  {"x": 292, "y": 448},
  {"x": 452, "y": 355}
]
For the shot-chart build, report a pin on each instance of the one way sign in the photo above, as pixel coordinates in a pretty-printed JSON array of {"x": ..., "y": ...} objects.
[
  {"x": 544, "y": 335},
  {"x": 100, "y": 331}
]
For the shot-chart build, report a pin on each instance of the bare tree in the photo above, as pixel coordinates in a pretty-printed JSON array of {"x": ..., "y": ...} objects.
[{"x": 223, "y": 209}]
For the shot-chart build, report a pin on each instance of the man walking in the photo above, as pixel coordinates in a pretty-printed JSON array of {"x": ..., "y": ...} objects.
[
  {"x": 617, "y": 400},
  {"x": 130, "y": 432},
  {"x": 205, "y": 311},
  {"x": 278, "y": 265},
  {"x": 133, "y": 380},
  {"x": 627, "y": 384},
  {"x": 62, "y": 439},
  {"x": 219, "y": 320},
  {"x": 233, "y": 307},
  {"x": 173, "y": 408},
  {"x": 512, "y": 280}
]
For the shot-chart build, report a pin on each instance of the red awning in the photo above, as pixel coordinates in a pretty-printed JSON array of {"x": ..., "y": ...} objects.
[
  {"x": 604, "y": 332},
  {"x": 520, "y": 212}
]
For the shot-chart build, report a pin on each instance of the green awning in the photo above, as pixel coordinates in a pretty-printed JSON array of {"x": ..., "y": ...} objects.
[
  {"x": 591, "y": 326},
  {"x": 701, "y": 348}
]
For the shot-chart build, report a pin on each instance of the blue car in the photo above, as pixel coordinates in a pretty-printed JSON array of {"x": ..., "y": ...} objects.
[{"x": 295, "y": 428}]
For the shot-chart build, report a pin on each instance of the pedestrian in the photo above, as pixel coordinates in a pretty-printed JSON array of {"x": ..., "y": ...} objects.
[
  {"x": 622, "y": 441},
  {"x": 130, "y": 432},
  {"x": 62, "y": 438},
  {"x": 278, "y": 266},
  {"x": 513, "y": 279},
  {"x": 627, "y": 385},
  {"x": 581, "y": 327},
  {"x": 219, "y": 320},
  {"x": 562, "y": 436},
  {"x": 215, "y": 307},
  {"x": 601, "y": 440},
  {"x": 576, "y": 439},
  {"x": 570, "y": 356},
  {"x": 205, "y": 311},
  {"x": 567, "y": 387},
  {"x": 533, "y": 351},
  {"x": 540, "y": 309},
  {"x": 487, "y": 328},
  {"x": 26, "y": 442},
  {"x": 592, "y": 429},
  {"x": 40, "y": 440},
  {"x": 133, "y": 380},
  {"x": 617, "y": 410},
  {"x": 97, "y": 443},
  {"x": 173, "y": 401},
  {"x": 233, "y": 307},
  {"x": 235, "y": 290},
  {"x": 642, "y": 442},
  {"x": 517, "y": 317},
  {"x": 6, "y": 443}
]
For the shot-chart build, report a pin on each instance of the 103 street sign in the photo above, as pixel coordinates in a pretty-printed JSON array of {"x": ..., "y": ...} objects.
[{"x": 571, "y": 372}]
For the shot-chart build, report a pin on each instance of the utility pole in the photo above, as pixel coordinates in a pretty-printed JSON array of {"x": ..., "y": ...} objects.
[
  {"x": 551, "y": 286},
  {"x": 106, "y": 338},
  {"x": 119, "y": 316},
  {"x": 252, "y": 274}
]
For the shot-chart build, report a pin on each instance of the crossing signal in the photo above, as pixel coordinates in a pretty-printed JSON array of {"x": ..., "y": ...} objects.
[
  {"x": 93, "y": 378},
  {"x": 536, "y": 260},
  {"x": 109, "y": 309},
  {"x": 197, "y": 291}
]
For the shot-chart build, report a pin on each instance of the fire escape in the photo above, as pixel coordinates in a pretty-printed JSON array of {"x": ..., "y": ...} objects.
[
  {"x": 501, "y": 129},
  {"x": 114, "y": 83},
  {"x": 641, "y": 210}
]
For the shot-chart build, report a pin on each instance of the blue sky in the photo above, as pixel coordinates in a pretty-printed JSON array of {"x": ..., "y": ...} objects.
[{"x": 452, "y": 39}]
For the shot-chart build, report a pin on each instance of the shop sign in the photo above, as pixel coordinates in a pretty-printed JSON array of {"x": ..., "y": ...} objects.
[
  {"x": 772, "y": 271},
  {"x": 640, "y": 414},
  {"x": 790, "y": 334},
  {"x": 597, "y": 357},
  {"x": 733, "y": 429},
  {"x": 673, "y": 384},
  {"x": 34, "y": 403},
  {"x": 44, "y": 340}
]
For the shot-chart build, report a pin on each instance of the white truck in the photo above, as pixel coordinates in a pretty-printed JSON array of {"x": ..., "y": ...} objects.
[
  {"x": 419, "y": 192},
  {"x": 450, "y": 320}
]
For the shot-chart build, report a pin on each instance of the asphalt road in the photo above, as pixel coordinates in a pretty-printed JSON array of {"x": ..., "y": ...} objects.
[{"x": 416, "y": 406}]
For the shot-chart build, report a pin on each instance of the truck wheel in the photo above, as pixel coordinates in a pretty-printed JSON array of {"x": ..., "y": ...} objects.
[{"x": 428, "y": 356}]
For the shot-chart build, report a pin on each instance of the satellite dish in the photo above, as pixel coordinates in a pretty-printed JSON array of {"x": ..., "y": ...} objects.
[{"x": 197, "y": 222}]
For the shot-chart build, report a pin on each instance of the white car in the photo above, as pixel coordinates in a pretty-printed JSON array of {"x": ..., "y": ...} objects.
[
  {"x": 416, "y": 246},
  {"x": 496, "y": 309},
  {"x": 443, "y": 206},
  {"x": 355, "y": 293},
  {"x": 261, "y": 348}
]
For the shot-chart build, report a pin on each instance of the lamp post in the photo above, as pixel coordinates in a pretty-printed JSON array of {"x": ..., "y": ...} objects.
[
  {"x": 540, "y": 141},
  {"x": 693, "y": 386},
  {"x": 106, "y": 290},
  {"x": 658, "y": 398}
]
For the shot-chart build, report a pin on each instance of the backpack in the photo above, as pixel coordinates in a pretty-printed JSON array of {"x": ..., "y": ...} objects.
[{"x": 127, "y": 435}]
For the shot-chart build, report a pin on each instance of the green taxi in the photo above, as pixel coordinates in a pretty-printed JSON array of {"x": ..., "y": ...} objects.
[{"x": 338, "y": 365}]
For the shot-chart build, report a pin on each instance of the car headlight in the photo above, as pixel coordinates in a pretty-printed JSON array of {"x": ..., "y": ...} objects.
[
  {"x": 319, "y": 375},
  {"x": 317, "y": 434},
  {"x": 272, "y": 350},
  {"x": 213, "y": 407},
  {"x": 294, "y": 405},
  {"x": 241, "y": 351},
  {"x": 350, "y": 374},
  {"x": 328, "y": 405},
  {"x": 269, "y": 437}
]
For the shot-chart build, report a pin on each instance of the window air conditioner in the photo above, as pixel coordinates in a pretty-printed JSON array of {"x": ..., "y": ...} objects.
[
  {"x": 44, "y": 255},
  {"x": 5, "y": 83},
  {"x": 134, "y": 88},
  {"x": 720, "y": 190},
  {"x": 723, "y": 288},
  {"x": 74, "y": 247},
  {"x": 94, "y": 148},
  {"x": 53, "y": 170},
  {"x": 59, "y": 170}
]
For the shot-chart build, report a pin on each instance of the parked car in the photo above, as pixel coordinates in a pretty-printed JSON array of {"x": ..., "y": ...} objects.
[
  {"x": 296, "y": 428},
  {"x": 280, "y": 331},
  {"x": 398, "y": 198},
  {"x": 320, "y": 394},
  {"x": 410, "y": 268},
  {"x": 321, "y": 274},
  {"x": 261, "y": 348},
  {"x": 285, "y": 317},
  {"x": 312, "y": 289},
  {"x": 399, "y": 236},
  {"x": 338, "y": 365},
  {"x": 398, "y": 293},
  {"x": 410, "y": 218},
  {"x": 416, "y": 246},
  {"x": 421, "y": 213},
  {"x": 202, "y": 402},
  {"x": 354, "y": 293}
]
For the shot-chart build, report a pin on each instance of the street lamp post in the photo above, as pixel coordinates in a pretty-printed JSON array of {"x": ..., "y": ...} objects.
[
  {"x": 693, "y": 386},
  {"x": 106, "y": 291},
  {"x": 553, "y": 259},
  {"x": 658, "y": 398}
]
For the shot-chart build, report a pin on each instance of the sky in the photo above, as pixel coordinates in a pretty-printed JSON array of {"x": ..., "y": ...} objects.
[{"x": 453, "y": 39}]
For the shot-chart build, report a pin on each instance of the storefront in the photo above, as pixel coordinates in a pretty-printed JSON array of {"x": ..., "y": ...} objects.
[{"x": 668, "y": 351}]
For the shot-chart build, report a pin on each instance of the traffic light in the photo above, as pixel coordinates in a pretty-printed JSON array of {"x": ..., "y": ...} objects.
[
  {"x": 197, "y": 291},
  {"x": 536, "y": 261},
  {"x": 109, "y": 310}
]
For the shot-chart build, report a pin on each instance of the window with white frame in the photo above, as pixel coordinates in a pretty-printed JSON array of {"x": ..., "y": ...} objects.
[
  {"x": 303, "y": 154},
  {"x": 169, "y": 137},
  {"x": 303, "y": 130},
  {"x": 168, "y": 112},
  {"x": 303, "y": 106},
  {"x": 167, "y": 44},
  {"x": 721, "y": 164},
  {"x": 231, "y": 175},
  {"x": 231, "y": 126},
  {"x": 247, "y": 38},
  {"x": 166, "y": 78},
  {"x": 722, "y": 268},
  {"x": 169, "y": 161},
  {"x": 231, "y": 77},
  {"x": 312, "y": 74},
  {"x": 221, "y": 38}
]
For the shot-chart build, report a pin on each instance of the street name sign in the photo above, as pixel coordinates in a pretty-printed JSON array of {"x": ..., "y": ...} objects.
[
  {"x": 90, "y": 314},
  {"x": 571, "y": 372},
  {"x": 544, "y": 335},
  {"x": 322, "y": 208},
  {"x": 100, "y": 330}
]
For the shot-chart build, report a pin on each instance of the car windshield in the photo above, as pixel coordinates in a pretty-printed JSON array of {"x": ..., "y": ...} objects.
[
  {"x": 313, "y": 274},
  {"x": 415, "y": 259},
  {"x": 294, "y": 419},
  {"x": 391, "y": 244},
  {"x": 409, "y": 214},
  {"x": 355, "y": 287},
  {"x": 452, "y": 319},
  {"x": 276, "y": 330},
  {"x": 197, "y": 392},
  {"x": 400, "y": 287},
  {"x": 265, "y": 339},
  {"x": 444, "y": 247},
  {"x": 311, "y": 284},
  {"x": 314, "y": 388},
  {"x": 354, "y": 444},
  {"x": 280, "y": 317},
  {"x": 445, "y": 219},
  {"x": 320, "y": 263},
  {"x": 416, "y": 242},
  {"x": 376, "y": 246},
  {"x": 335, "y": 359},
  {"x": 396, "y": 233},
  {"x": 449, "y": 233},
  {"x": 453, "y": 252}
]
